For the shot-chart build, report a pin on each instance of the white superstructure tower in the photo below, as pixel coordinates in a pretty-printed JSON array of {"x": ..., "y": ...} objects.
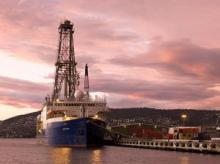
[{"x": 86, "y": 81}]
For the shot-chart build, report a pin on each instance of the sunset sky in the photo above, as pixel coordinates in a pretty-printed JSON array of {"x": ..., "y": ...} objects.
[{"x": 153, "y": 53}]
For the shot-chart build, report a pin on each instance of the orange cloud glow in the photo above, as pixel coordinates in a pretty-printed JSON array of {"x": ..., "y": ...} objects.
[{"x": 161, "y": 54}]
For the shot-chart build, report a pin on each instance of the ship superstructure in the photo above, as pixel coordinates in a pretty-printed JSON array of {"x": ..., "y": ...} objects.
[{"x": 71, "y": 117}]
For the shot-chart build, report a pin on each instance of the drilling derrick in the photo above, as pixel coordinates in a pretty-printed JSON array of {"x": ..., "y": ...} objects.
[{"x": 66, "y": 78}]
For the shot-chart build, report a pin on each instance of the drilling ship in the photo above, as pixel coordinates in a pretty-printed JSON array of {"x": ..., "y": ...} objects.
[{"x": 71, "y": 117}]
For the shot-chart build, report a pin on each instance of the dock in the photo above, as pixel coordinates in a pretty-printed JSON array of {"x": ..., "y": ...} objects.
[{"x": 173, "y": 145}]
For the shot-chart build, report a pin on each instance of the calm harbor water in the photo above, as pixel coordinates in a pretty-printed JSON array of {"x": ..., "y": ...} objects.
[{"x": 28, "y": 151}]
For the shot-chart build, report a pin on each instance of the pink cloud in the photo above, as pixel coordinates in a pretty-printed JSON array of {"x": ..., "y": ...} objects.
[
  {"x": 117, "y": 38},
  {"x": 177, "y": 58},
  {"x": 21, "y": 93}
]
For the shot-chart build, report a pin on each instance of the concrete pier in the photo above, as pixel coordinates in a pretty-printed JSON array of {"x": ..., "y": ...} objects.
[{"x": 176, "y": 145}]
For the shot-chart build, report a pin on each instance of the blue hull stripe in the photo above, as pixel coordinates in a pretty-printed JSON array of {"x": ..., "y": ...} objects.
[{"x": 81, "y": 132}]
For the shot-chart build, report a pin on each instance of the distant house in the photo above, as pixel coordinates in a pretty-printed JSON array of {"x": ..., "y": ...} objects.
[{"x": 184, "y": 133}]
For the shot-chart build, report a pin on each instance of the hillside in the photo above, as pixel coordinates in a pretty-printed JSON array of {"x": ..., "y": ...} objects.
[
  {"x": 164, "y": 117},
  {"x": 22, "y": 126}
]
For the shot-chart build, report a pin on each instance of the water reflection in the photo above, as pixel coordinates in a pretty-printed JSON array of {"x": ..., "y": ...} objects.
[
  {"x": 77, "y": 155},
  {"x": 184, "y": 160},
  {"x": 96, "y": 156},
  {"x": 61, "y": 155},
  {"x": 27, "y": 151}
]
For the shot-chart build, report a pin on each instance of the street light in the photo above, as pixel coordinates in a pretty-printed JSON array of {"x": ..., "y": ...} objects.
[{"x": 184, "y": 117}]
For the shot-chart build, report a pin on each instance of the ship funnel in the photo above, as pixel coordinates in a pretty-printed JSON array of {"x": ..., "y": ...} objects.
[{"x": 86, "y": 80}]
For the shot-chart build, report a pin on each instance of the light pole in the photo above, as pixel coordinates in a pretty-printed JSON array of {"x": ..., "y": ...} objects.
[{"x": 183, "y": 118}]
